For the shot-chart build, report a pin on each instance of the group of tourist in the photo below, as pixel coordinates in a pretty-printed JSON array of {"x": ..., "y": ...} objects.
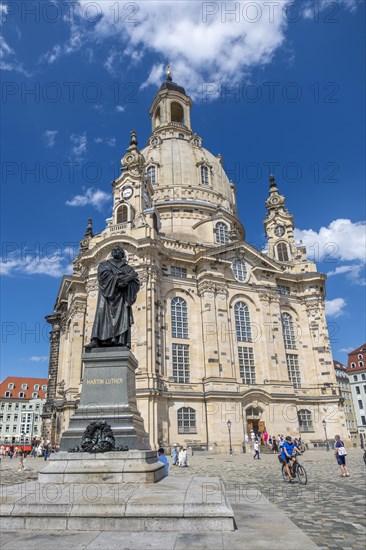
[
  {"x": 178, "y": 454},
  {"x": 274, "y": 443}
]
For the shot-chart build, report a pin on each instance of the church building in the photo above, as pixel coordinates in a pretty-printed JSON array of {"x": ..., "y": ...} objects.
[{"x": 228, "y": 338}]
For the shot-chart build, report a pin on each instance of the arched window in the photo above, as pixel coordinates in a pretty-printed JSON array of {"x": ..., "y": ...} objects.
[
  {"x": 282, "y": 252},
  {"x": 179, "y": 318},
  {"x": 151, "y": 174},
  {"x": 187, "y": 421},
  {"x": 305, "y": 420},
  {"x": 204, "y": 174},
  {"x": 176, "y": 112},
  {"x": 157, "y": 118},
  {"x": 222, "y": 233},
  {"x": 122, "y": 214},
  {"x": 242, "y": 322},
  {"x": 289, "y": 337}
]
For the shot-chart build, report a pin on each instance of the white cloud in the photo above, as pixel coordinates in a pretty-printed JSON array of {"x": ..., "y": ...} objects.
[
  {"x": 73, "y": 44},
  {"x": 341, "y": 240},
  {"x": 120, "y": 108},
  {"x": 335, "y": 307},
  {"x": 311, "y": 8},
  {"x": 38, "y": 358},
  {"x": 346, "y": 350},
  {"x": 50, "y": 137},
  {"x": 202, "y": 41},
  {"x": 109, "y": 141},
  {"x": 53, "y": 265},
  {"x": 91, "y": 196},
  {"x": 354, "y": 273},
  {"x": 79, "y": 144},
  {"x": 8, "y": 59}
]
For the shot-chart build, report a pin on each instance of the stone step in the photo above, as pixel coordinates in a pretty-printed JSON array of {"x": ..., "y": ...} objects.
[{"x": 186, "y": 503}]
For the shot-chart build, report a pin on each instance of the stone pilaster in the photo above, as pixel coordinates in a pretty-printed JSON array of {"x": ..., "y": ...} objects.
[{"x": 47, "y": 432}]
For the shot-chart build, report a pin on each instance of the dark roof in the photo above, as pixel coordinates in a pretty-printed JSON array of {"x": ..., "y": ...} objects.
[{"x": 169, "y": 85}]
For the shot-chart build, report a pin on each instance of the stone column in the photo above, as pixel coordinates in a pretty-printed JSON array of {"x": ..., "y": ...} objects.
[{"x": 48, "y": 407}]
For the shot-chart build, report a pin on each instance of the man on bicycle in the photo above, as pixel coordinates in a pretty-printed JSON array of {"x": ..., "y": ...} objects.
[{"x": 286, "y": 454}]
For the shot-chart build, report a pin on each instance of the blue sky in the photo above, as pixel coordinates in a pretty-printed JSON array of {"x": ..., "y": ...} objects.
[{"x": 276, "y": 87}]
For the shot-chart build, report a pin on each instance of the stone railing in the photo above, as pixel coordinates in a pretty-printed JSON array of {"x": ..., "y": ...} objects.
[{"x": 118, "y": 228}]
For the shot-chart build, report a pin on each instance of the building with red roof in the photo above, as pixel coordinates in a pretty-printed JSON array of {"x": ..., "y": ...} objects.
[
  {"x": 21, "y": 404},
  {"x": 356, "y": 371}
]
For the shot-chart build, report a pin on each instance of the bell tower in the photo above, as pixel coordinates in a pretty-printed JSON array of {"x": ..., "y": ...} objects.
[
  {"x": 279, "y": 226},
  {"x": 171, "y": 106},
  {"x": 133, "y": 192}
]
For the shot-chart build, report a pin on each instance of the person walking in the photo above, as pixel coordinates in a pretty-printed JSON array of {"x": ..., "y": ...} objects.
[
  {"x": 21, "y": 462},
  {"x": 340, "y": 454},
  {"x": 256, "y": 450},
  {"x": 265, "y": 437},
  {"x": 175, "y": 454},
  {"x": 46, "y": 450},
  {"x": 274, "y": 445}
]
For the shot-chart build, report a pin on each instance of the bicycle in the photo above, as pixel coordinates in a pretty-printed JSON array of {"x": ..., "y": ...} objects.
[{"x": 296, "y": 471}]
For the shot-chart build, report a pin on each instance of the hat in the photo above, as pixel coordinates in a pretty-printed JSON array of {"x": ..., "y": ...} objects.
[
  {"x": 161, "y": 450},
  {"x": 175, "y": 445},
  {"x": 288, "y": 438}
]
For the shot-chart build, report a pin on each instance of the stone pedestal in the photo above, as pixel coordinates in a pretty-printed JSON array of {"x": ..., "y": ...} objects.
[
  {"x": 103, "y": 468},
  {"x": 108, "y": 393}
]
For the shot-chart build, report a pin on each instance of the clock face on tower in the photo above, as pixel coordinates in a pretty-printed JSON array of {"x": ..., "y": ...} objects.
[
  {"x": 279, "y": 230},
  {"x": 127, "y": 192}
]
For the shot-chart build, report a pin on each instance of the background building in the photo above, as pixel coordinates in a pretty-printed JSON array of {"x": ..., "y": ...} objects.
[
  {"x": 356, "y": 371},
  {"x": 346, "y": 394},
  {"x": 21, "y": 404},
  {"x": 222, "y": 330}
]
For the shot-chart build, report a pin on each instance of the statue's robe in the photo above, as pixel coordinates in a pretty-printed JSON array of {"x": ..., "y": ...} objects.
[{"x": 113, "y": 318}]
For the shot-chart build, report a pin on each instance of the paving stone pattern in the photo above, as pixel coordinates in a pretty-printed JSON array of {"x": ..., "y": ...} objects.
[{"x": 329, "y": 510}]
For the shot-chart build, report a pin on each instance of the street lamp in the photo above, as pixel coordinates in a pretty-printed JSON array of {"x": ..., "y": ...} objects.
[
  {"x": 326, "y": 437},
  {"x": 229, "y": 428}
]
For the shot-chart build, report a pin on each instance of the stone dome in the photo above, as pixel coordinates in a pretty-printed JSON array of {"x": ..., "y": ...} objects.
[{"x": 191, "y": 188}]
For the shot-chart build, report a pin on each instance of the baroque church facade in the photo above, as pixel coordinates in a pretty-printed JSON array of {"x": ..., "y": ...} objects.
[{"x": 222, "y": 330}]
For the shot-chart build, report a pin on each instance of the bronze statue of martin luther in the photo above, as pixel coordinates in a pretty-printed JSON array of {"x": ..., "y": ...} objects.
[{"x": 118, "y": 288}]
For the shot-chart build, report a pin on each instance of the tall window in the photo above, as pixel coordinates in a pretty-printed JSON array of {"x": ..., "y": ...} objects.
[
  {"x": 282, "y": 252},
  {"x": 122, "y": 214},
  {"x": 246, "y": 365},
  {"x": 204, "y": 175},
  {"x": 187, "y": 421},
  {"x": 305, "y": 420},
  {"x": 242, "y": 322},
  {"x": 179, "y": 318},
  {"x": 288, "y": 331},
  {"x": 293, "y": 370},
  {"x": 181, "y": 370},
  {"x": 239, "y": 270},
  {"x": 151, "y": 174},
  {"x": 222, "y": 233}
]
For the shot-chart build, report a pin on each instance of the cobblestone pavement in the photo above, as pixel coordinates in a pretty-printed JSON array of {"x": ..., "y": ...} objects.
[{"x": 330, "y": 509}]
